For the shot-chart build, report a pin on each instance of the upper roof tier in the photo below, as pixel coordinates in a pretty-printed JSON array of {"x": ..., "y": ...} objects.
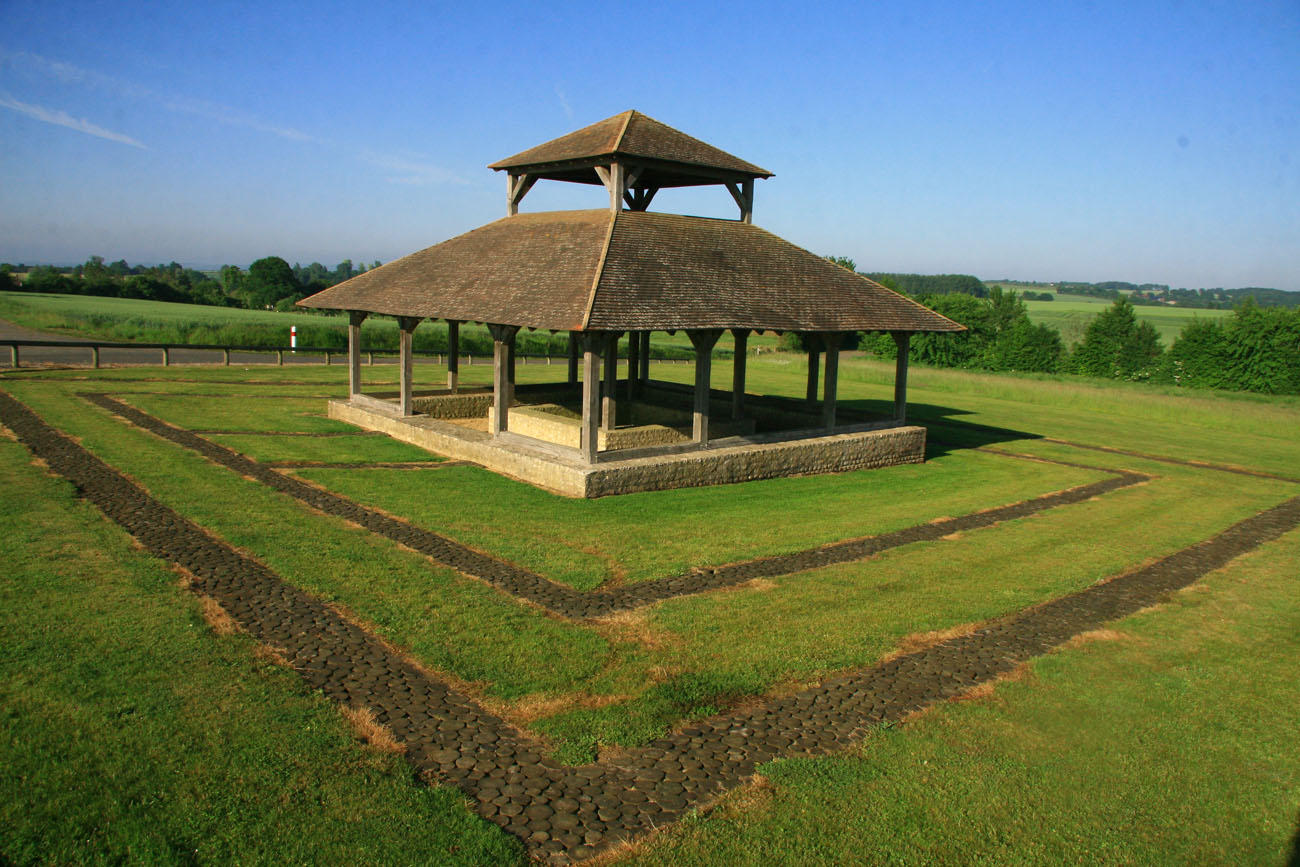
[
  {"x": 629, "y": 271},
  {"x": 667, "y": 157}
]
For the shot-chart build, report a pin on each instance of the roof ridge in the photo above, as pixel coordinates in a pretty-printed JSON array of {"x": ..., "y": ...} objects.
[
  {"x": 627, "y": 122},
  {"x": 600, "y": 270}
]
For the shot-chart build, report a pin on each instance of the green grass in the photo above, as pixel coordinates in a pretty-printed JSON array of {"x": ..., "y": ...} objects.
[
  {"x": 130, "y": 733},
  {"x": 1070, "y": 315},
  {"x": 590, "y": 686}
]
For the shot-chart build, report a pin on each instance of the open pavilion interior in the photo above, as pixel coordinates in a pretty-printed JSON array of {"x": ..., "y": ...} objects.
[{"x": 609, "y": 278}]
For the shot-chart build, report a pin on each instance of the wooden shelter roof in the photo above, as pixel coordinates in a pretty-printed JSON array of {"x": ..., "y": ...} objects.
[
  {"x": 671, "y": 157},
  {"x": 603, "y": 270}
]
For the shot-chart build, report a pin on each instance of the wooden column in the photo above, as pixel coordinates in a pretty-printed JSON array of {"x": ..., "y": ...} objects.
[
  {"x": 591, "y": 346},
  {"x": 503, "y": 338},
  {"x": 902, "y": 338},
  {"x": 703, "y": 341},
  {"x": 633, "y": 362},
  {"x": 831, "y": 382},
  {"x": 355, "y": 318},
  {"x": 741, "y": 336},
  {"x": 644, "y": 373},
  {"x": 453, "y": 355},
  {"x": 814, "y": 361},
  {"x": 510, "y": 369},
  {"x": 609, "y": 397},
  {"x": 573, "y": 358},
  {"x": 405, "y": 362}
]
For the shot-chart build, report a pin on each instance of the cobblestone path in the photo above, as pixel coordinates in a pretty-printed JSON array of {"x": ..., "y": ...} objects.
[
  {"x": 573, "y": 603},
  {"x": 571, "y": 813}
]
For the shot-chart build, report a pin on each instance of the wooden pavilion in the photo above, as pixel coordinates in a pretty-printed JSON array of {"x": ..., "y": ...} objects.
[{"x": 623, "y": 270}]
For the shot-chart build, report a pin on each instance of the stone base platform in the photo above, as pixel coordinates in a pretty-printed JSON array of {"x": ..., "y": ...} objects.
[{"x": 723, "y": 461}]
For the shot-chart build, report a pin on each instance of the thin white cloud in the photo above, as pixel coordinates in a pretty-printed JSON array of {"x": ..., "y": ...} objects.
[
  {"x": 564, "y": 103},
  {"x": 406, "y": 169},
  {"x": 70, "y": 74},
  {"x": 410, "y": 171},
  {"x": 62, "y": 118}
]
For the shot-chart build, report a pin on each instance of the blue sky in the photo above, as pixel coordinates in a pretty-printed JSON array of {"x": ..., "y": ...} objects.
[{"x": 1151, "y": 142}]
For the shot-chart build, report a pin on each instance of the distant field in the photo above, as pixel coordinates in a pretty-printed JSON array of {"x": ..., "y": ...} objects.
[{"x": 1070, "y": 314}]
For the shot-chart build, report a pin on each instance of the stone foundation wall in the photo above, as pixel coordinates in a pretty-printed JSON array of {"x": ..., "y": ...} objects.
[{"x": 571, "y": 477}]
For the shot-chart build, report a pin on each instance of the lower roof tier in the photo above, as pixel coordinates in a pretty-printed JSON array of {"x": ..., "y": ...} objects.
[{"x": 628, "y": 271}]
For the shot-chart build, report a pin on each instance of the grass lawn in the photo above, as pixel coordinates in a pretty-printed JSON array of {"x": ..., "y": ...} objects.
[
  {"x": 1070, "y": 315},
  {"x": 1157, "y": 715}
]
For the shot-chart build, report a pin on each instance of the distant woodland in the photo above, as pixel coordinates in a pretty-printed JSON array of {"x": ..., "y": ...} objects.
[
  {"x": 268, "y": 284},
  {"x": 1256, "y": 349}
]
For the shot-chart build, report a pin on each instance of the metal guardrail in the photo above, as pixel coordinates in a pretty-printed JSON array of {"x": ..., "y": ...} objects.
[{"x": 328, "y": 352}]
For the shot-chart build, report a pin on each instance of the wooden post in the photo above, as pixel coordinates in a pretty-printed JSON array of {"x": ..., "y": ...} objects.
[
  {"x": 832, "y": 341},
  {"x": 327, "y": 358},
  {"x": 902, "y": 338},
  {"x": 13, "y": 355},
  {"x": 609, "y": 400},
  {"x": 590, "y": 395},
  {"x": 167, "y": 359},
  {"x": 573, "y": 358},
  {"x": 741, "y": 336},
  {"x": 355, "y": 318},
  {"x": 225, "y": 356},
  {"x": 814, "y": 361},
  {"x": 645, "y": 356},
  {"x": 453, "y": 355},
  {"x": 94, "y": 357},
  {"x": 633, "y": 363},
  {"x": 510, "y": 369},
  {"x": 503, "y": 341},
  {"x": 405, "y": 332},
  {"x": 703, "y": 341},
  {"x": 279, "y": 357}
]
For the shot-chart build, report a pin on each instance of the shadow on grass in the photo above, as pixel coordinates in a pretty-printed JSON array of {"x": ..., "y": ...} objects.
[
  {"x": 947, "y": 431},
  {"x": 1294, "y": 860}
]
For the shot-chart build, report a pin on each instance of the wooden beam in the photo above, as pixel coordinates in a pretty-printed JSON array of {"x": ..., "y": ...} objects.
[
  {"x": 831, "y": 384},
  {"x": 644, "y": 373},
  {"x": 741, "y": 336},
  {"x": 814, "y": 361},
  {"x": 406, "y": 362},
  {"x": 633, "y": 362},
  {"x": 355, "y": 318},
  {"x": 503, "y": 338},
  {"x": 902, "y": 338},
  {"x": 609, "y": 396},
  {"x": 703, "y": 341},
  {"x": 573, "y": 358},
  {"x": 617, "y": 186},
  {"x": 453, "y": 355},
  {"x": 747, "y": 200},
  {"x": 591, "y": 346},
  {"x": 517, "y": 186}
]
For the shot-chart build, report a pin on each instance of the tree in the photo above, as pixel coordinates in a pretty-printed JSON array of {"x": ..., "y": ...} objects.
[
  {"x": 268, "y": 281},
  {"x": 1115, "y": 345},
  {"x": 844, "y": 262}
]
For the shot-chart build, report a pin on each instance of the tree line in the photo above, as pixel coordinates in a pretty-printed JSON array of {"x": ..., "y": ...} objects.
[
  {"x": 1255, "y": 349},
  {"x": 269, "y": 283}
]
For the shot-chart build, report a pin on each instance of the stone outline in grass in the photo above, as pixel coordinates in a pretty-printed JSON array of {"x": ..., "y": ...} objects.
[
  {"x": 565, "y": 814},
  {"x": 580, "y": 604}
]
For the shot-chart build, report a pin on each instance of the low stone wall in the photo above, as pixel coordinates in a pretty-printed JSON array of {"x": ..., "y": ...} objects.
[{"x": 564, "y": 472}]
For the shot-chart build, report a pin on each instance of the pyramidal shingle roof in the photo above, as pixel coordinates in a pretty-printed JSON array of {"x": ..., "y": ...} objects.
[
  {"x": 629, "y": 271},
  {"x": 630, "y": 134}
]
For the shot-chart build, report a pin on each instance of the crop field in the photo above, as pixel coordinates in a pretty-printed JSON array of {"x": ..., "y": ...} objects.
[
  {"x": 154, "y": 711},
  {"x": 1070, "y": 315}
]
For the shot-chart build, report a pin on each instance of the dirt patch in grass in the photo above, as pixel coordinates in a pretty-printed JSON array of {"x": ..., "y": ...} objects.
[{"x": 376, "y": 734}]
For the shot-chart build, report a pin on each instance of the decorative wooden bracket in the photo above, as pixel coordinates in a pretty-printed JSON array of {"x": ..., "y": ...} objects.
[
  {"x": 517, "y": 186},
  {"x": 744, "y": 196}
]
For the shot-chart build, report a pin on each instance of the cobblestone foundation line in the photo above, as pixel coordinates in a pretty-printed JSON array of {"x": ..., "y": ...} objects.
[
  {"x": 579, "y": 604},
  {"x": 364, "y": 465},
  {"x": 566, "y": 814}
]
